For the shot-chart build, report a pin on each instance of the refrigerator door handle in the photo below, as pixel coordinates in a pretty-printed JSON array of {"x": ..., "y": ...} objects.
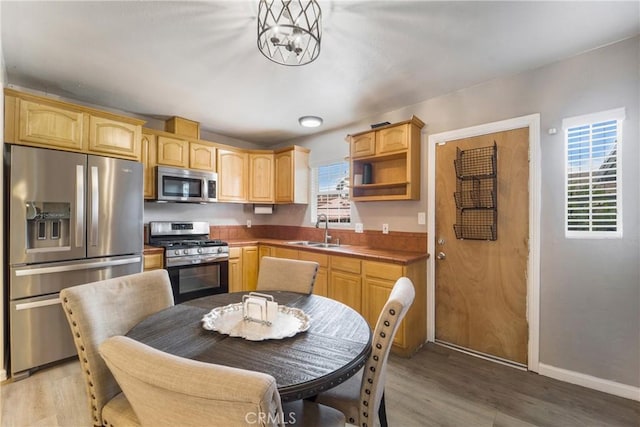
[
  {"x": 79, "y": 223},
  {"x": 95, "y": 199},
  {"x": 36, "y": 304},
  {"x": 79, "y": 266}
]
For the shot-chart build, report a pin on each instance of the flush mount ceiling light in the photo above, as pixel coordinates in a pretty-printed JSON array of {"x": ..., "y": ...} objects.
[
  {"x": 310, "y": 121},
  {"x": 289, "y": 31}
]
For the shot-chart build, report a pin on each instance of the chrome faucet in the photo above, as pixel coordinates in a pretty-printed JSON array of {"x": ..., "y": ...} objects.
[{"x": 326, "y": 227}]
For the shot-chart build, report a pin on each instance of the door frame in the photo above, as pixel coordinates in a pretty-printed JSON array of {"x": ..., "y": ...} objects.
[{"x": 531, "y": 121}]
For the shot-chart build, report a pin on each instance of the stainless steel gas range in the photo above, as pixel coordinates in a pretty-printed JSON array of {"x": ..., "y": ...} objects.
[{"x": 198, "y": 266}]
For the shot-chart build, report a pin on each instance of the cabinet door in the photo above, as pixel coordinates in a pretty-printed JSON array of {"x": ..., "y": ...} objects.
[
  {"x": 232, "y": 176},
  {"x": 346, "y": 288},
  {"x": 173, "y": 152},
  {"x": 284, "y": 177},
  {"x": 320, "y": 287},
  {"x": 148, "y": 151},
  {"x": 114, "y": 138},
  {"x": 261, "y": 178},
  {"x": 235, "y": 269},
  {"x": 392, "y": 139},
  {"x": 249, "y": 268},
  {"x": 202, "y": 157},
  {"x": 363, "y": 145},
  {"x": 50, "y": 126},
  {"x": 153, "y": 261},
  {"x": 265, "y": 251},
  {"x": 377, "y": 293}
]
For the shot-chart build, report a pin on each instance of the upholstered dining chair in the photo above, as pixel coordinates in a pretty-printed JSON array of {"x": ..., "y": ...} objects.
[
  {"x": 99, "y": 310},
  {"x": 284, "y": 274},
  {"x": 361, "y": 398},
  {"x": 167, "y": 391}
]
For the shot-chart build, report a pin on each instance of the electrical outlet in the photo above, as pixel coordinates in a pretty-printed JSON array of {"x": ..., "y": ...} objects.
[
  {"x": 248, "y": 223},
  {"x": 422, "y": 218},
  {"x": 385, "y": 228},
  {"x": 359, "y": 227}
]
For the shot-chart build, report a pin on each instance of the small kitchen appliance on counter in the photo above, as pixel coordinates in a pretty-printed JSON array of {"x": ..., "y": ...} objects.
[{"x": 198, "y": 266}]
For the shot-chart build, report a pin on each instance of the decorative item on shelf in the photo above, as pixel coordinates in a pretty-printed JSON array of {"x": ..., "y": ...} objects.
[
  {"x": 289, "y": 31},
  {"x": 357, "y": 179},
  {"x": 259, "y": 308},
  {"x": 476, "y": 193},
  {"x": 366, "y": 174}
]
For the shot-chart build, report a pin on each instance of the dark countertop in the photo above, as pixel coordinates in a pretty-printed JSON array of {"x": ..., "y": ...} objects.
[{"x": 362, "y": 252}]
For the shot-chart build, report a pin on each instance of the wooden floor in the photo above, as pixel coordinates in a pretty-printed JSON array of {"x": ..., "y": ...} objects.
[{"x": 437, "y": 387}]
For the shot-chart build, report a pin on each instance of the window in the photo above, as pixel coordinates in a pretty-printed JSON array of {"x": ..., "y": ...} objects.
[
  {"x": 593, "y": 174},
  {"x": 331, "y": 193}
]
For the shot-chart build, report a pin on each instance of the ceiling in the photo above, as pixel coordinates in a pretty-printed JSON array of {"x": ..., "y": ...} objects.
[{"x": 199, "y": 60}]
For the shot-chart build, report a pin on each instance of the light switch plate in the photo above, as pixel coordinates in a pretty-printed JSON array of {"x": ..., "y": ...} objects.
[
  {"x": 385, "y": 228},
  {"x": 422, "y": 218},
  {"x": 248, "y": 223},
  {"x": 359, "y": 227}
]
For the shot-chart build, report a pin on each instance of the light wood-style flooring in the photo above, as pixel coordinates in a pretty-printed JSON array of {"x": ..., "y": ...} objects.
[{"x": 436, "y": 387}]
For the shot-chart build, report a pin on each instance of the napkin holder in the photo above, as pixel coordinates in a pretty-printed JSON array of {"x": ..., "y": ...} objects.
[{"x": 261, "y": 308}]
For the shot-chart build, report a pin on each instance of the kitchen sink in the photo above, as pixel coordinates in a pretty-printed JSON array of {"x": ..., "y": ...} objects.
[{"x": 313, "y": 244}]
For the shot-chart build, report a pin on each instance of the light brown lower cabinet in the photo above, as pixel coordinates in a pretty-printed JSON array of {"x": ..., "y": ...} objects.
[
  {"x": 153, "y": 261},
  {"x": 235, "y": 269},
  {"x": 365, "y": 286}
]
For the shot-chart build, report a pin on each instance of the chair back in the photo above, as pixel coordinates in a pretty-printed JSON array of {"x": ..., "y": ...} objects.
[
  {"x": 99, "y": 310},
  {"x": 283, "y": 274},
  {"x": 373, "y": 378},
  {"x": 167, "y": 390}
]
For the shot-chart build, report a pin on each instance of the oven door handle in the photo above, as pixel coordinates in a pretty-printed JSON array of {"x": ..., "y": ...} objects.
[{"x": 187, "y": 261}]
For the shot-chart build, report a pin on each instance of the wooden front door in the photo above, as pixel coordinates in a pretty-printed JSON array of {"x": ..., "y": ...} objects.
[{"x": 481, "y": 285}]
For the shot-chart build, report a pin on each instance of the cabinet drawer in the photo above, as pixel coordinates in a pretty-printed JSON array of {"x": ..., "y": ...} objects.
[
  {"x": 235, "y": 252},
  {"x": 383, "y": 270},
  {"x": 321, "y": 259},
  {"x": 153, "y": 261},
  {"x": 285, "y": 253},
  {"x": 352, "y": 265}
]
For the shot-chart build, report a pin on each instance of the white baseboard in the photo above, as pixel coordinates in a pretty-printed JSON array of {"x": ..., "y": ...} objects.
[
  {"x": 3, "y": 375},
  {"x": 607, "y": 386}
]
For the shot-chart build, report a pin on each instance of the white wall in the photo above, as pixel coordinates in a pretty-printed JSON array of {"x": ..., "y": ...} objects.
[{"x": 590, "y": 289}]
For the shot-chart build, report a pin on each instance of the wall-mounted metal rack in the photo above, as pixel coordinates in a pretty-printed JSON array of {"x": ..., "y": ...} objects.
[{"x": 476, "y": 193}]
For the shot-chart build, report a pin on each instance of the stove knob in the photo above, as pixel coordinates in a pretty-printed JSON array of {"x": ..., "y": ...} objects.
[
  {"x": 176, "y": 252},
  {"x": 199, "y": 250},
  {"x": 219, "y": 250},
  {"x": 186, "y": 252}
]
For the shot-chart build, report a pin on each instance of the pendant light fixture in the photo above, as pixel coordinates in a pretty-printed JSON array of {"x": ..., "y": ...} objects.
[{"x": 289, "y": 31}]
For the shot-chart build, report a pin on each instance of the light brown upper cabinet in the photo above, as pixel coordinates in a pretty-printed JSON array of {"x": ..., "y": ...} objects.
[
  {"x": 233, "y": 171},
  {"x": 261, "y": 177},
  {"x": 114, "y": 138},
  {"x": 202, "y": 156},
  {"x": 390, "y": 157},
  {"x": 292, "y": 175},
  {"x": 173, "y": 152},
  {"x": 45, "y": 122},
  {"x": 149, "y": 163}
]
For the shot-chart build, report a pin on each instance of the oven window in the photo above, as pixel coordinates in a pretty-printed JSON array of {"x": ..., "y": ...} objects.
[
  {"x": 196, "y": 278},
  {"x": 181, "y": 187}
]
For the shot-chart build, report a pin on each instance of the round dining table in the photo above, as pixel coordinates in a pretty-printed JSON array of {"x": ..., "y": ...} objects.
[{"x": 332, "y": 350}]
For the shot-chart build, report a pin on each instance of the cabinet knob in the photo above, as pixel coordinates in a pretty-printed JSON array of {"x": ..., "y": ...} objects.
[{"x": 441, "y": 255}]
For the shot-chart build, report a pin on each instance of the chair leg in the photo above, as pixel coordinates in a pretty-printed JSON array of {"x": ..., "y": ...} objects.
[{"x": 382, "y": 413}]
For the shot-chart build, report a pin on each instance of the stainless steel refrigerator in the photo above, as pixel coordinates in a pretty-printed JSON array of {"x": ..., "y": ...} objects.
[{"x": 72, "y": 219}]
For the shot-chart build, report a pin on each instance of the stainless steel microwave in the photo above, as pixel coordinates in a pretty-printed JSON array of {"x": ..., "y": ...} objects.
[{"x": 186, "y": 185}]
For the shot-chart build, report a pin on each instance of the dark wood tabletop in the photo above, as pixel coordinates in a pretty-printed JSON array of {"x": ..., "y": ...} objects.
[{"x": 332, "y": 350}]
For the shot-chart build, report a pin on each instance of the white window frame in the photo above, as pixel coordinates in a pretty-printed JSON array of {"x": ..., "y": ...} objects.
[
  {"x": 618, "y": 115},
  {"x": 314, "y": 197}
]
